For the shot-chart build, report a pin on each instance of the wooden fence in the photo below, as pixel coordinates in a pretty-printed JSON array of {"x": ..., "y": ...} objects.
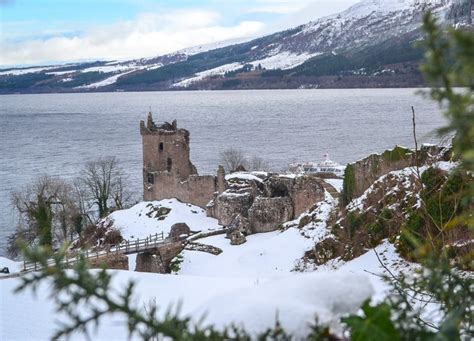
[{"x": 127, "y": 247}]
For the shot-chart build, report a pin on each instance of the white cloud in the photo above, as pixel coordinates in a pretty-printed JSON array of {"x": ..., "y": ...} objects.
[
  {"x": 309, "y": 11},
  {"x": 157, "y": 32},
  {"x": 150, "y": 34}
]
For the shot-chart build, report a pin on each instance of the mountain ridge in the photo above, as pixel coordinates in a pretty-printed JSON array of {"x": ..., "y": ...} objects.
[{"x": 371, "y": 44}]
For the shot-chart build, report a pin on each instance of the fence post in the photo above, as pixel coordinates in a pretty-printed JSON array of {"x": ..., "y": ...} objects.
[{"x": 35, "y": 266}]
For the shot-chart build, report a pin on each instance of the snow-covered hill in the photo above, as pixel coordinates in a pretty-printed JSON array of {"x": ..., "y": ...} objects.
[
  {"x": 381, "y": 24},
  {"x": 247, "y": 284}
]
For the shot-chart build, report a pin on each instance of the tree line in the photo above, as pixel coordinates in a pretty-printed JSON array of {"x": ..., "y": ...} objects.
[{"x": 52, "y": 211}]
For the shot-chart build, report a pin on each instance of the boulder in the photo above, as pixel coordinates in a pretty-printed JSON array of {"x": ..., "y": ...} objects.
[
  {"x": 239, "y": 223},
  {"x": 178, "y": 230},
  {"x": 326, "y": 250},
  {"x": 237, "y": 238}
]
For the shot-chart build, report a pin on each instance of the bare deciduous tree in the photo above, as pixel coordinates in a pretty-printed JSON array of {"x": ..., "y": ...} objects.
[
  {"x": 258, "y": 164},
  {"x": 103, "y": 184},
  {"x": 232, "y": 159},
  {"x": 46, "y": 212}
]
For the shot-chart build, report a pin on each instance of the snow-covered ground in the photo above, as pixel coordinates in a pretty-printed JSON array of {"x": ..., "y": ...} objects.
[
  {"x": 24, "y": 71},
  {"x": 142, "y": 220},
  {"x": 336, "y": 183},
  {"x": 283, "y": 60},
  {"x": 249, "y": 284},
  {"x": 278, "y": 60},
  {"x": 220, "y": 70},
  {"x": 263, "y": 255},
  {"x": 108, "y": 81}
]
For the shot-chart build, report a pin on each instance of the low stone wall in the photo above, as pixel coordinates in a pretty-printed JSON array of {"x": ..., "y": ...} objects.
[
  {"x": 197, "y": 189},
  {"x": 111, "y": 261}
]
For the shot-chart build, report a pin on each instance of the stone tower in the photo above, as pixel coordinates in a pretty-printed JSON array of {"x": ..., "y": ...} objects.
[
  {"x": 165, "y": 149},
  {"x": 167, "y": 168}
]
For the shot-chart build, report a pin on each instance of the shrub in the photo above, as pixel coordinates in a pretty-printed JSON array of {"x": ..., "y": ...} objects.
[{"x": 348, "y": 186}]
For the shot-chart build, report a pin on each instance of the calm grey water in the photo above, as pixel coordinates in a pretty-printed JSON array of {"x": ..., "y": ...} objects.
[{"x": 57, "y": 133}]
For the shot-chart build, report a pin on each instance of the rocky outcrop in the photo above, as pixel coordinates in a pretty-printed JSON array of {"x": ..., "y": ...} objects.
[{"x": 158, "y": 261}]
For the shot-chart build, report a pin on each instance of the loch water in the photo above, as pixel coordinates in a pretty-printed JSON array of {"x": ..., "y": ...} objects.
[{"x": 56, "y": 134}]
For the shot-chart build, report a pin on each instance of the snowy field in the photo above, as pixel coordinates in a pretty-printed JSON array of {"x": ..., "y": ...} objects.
[{"x": 248, "y": 284}]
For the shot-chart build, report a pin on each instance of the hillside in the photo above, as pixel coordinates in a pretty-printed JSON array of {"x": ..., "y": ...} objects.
[{"x": 371, "y": 44}]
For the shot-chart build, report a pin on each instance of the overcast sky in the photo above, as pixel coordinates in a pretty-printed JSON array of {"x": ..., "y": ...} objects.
[{"x": 47, "y": 31}]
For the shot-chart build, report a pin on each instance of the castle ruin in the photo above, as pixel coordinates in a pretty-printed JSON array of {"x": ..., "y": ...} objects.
[
  {"x": 167, "y": 169},
  {"x": 260, "y": 204}
]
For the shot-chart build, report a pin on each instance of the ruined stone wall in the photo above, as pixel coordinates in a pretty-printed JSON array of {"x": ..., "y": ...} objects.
[
  {"x": 266, "y": 214},
  {"x": 225, "y": 207},
  {"x": 369, "y": 169},
  {"x": 159, "y": 260},
  {"x": 197, "y": 190},
  {"x": 268, "y": 203},
  {"x": 306, "y": 191}
]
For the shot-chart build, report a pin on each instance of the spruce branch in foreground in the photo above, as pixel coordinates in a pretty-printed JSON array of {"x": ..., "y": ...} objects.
[{"x": 86, "y": 296}]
